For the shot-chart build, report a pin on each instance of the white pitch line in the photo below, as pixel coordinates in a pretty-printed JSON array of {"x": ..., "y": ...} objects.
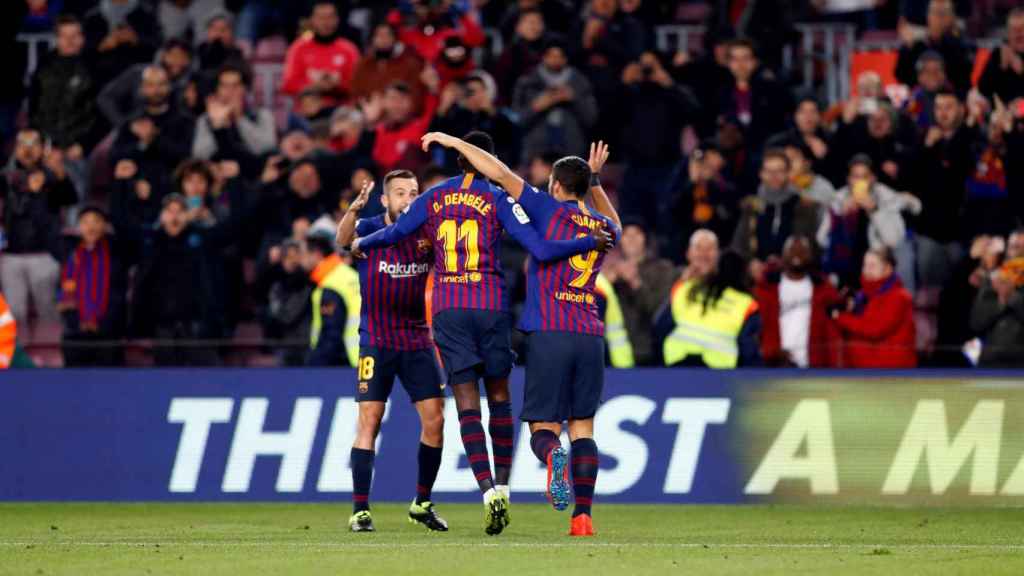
[{"x": 526, "y": 545}]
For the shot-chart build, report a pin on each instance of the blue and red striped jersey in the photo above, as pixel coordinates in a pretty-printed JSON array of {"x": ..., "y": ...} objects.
[
  {"x": 560, "y": 295},
  {"x": 464, "y": 217},
  {"x": 392, "y": 282}
]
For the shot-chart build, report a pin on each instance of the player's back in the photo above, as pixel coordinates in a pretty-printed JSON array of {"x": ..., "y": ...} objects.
[
  {"x": 464, "y": 225},
  {"x": 561, "y": 294}
]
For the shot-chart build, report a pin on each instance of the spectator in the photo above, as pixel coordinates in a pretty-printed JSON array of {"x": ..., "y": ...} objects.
[
  {"x": 807, "y": 131},
  {"x": 119, "y": 33},
  {"x": 990, "y": 209},
  {"x": 35, "y": 189},
  {"x": 427, "y": 26},
  {"x": 753, "y": 97},
  {"x": 63, "y": 96},
  {"x": 998, "y": 311},
  {"x": 707, "y": 76},
  {"x": 878, "y": 329},
  {"x": 230, "y": 129},
  {"x": 710, "y": 321},
  {"x": 454, "y": 63},
  {"x": 870, "y": 127},
  {"x": 539, "y": 169},
  {"x": 642, "y": 282},
  {"x": 398, "y": 130},
  {"x": 931, "y": 79},
  {"x": 555, "y": 104},
  {"x": 655, "y": 112},
  {"x": 816, "y": 193},
  {"x": 768, "y": 218},
  {"x": 866, "y": 214},
  {"x": 707, "y": 199},
  {"x": 178, "y": 294},
  {"x": 944, "y": 164},
  {"x": 186, "y": 19},
  {"x": 334, "y": 333},
  {"x": 121, "y": 99},
  {"x": 218, "y": 49},
  {"x": 321, "y": 59},
  {"x": 385, "y": 61},
  {"x": 1003, "y": 76},
  {"x": 523, "y": 54},
  {"x": 93, "y": 293},
  {"x": 604, "y": 41},
  {"x": 942, "y": 36},
  {"x": 795, "y": 305},
  {"x": 470, "y": 105},
  {"x": 158, "y": 138},
  {"x": 289, "y": 192},
  {"x": 287, "y": 315}
]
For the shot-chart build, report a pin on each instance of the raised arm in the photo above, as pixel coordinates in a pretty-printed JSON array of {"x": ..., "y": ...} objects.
[
  {"x": 408, "y": 223},
  {"x": 515, "y": 220},
  {"x": 487, "y": 164},
  {"x": 598, "y": 156},
  {"x": 347, "y": 227}
]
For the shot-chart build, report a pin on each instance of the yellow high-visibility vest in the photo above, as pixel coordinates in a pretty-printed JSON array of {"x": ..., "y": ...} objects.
[
  {"x": 335, "y": 275},
  {"x": 710, "y": 334},
  {"x": 620, "y": 350}
]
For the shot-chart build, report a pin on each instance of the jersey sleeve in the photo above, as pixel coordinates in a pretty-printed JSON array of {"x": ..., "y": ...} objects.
[
  {"x": 367, "y": 226},
  {"x": 538, "y": 205},
  {"x": 515, "y": 220},
  {"x": 415, "y": 216}
]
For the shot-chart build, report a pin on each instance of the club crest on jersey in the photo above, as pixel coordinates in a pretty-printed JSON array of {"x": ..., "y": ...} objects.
[{"x": 364, "y": 387}]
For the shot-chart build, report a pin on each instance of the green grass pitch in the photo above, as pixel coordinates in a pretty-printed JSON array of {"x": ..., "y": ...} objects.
[{"x": 228, "y": 539}]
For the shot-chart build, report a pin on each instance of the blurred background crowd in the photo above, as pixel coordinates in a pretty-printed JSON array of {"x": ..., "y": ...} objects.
[{"x": 174, "y": 167}]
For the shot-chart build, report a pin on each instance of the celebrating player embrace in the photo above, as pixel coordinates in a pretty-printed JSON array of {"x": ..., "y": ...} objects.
[
  {"x": 465, "y": 217},
  {"x": 565, "y": 346}
]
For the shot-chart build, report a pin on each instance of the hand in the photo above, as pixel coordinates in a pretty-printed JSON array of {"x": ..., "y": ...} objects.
[
  {"x": 564, "y": 93},
  {"x": 695, "y": 167},
  {"x": 850, "y": 110},
  {"x": 54, "y": 161},
  {"x": 1003, "y": 286},
  {"x": 591, "y": 31},
  {"x": 108, "y": 43},
  {"x": 1010, "y": 59},
  {"x": 932, "y": 137},
  {"x": 126, "y": 35},
  {"x": 372, "y": 107},
  {"x": 228, "y": 169},
  {"x": 891, "y": 168},
  {"x": 867, "y": 202},
  {"x": 632, "y": 73},
  {"x": 218, "y": 112},
  {"x": 364, "y": 195},
  {"x": 437, "y": 138},
  {"x": 36, "y": 181},
  {"x": 272, "y": 169},
  {"x": 125, "y": 169},
  {"x": 605, "y": 241},
  {"x": 143, "y": 190},
  {"x": 451, "y": 94},
  {"x": 355, "y": 250},
  {"x": 431, "y": 79},
  {"x": 681, "y": 58},
  {"x": 274, "y": 255},
  {"x": 598, "y": 156},
  {"x": 144, "y": 129},
  {"x": 75, "y": 152},
  {"x": 817, "y": 146},
  {"x": 979, "y": 246}
]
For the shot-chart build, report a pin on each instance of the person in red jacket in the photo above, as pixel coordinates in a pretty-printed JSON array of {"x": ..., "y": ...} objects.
[
  {"x": 397, "y": 134},
  {"x": 424, "y": 26},
  {"x": 878, "y": 330},
  {"x": 320, "y": 59},
  {"x": 795, "y": 305}
]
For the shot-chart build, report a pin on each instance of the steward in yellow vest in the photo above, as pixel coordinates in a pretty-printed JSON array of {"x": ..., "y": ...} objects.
[
  {"x": 334, "y": 333},
  {"x": 620, "y": 350},
  {"x": 712, "y": 322}
]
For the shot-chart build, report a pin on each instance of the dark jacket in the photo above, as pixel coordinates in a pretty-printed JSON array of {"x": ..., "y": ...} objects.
[
  {"x": 32, "y": 219},
  {"x": 998, "y": 81},
  {"x": 941, "y": 178},
  {"x": 957, "y": 54},
  {"x": 171, "y": 146},
  {"x": 764, "y": 225},
  {"x": 563, "y": 126},
  {"x": 120, "y": 100},
  {"x": 107, "y": 65},
  {"x": 770, "y": 106},
  {"x": 501, "y": 126},
  {"x": 62, "y": 101},
  {"x": 1000, "y": 326},
  {"x": 654, "y": 120}
]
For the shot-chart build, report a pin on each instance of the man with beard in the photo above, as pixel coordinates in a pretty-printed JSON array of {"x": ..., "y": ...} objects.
[
  {"x": 121, "y": 99},
  {"x": 795, "y": 304},
  {"x": 321, "y": 59},
  {"x": 386, "y": 61},
  {"x": 394, "y": 340}
]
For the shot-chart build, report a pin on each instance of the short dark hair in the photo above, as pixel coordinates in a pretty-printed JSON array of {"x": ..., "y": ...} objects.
[
  {"x": 573, "y": 173},
  {"x": 861, "y": 160},
  {"x": 66, "y": 20},
  {"x": 481, "y": 140},
  {"x": 431, "y": 171},
  {"x": 744, "y": 43},
  {"x": 776, "y": 153},
  {"x": 174, "y": 198},
  {"x": 396, "y": 174},
  {"x": 947, "y": 91},
  {"x": 178, "y": 43},
  {"x": 233, "y": 68},
  {"x": 320, "y": 243},
  {"x": 194, "y": 166},
  {"x": 548, "y": 157}
]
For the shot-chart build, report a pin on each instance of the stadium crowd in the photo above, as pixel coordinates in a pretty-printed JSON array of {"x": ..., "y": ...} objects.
[{"x": 153, "y": 195}]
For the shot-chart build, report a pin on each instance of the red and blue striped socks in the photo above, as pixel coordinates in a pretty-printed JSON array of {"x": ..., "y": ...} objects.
[
  {"x": 543, "y": 442},
  {"x": 362, "y": 474},
  {"x": 584, "y": 474},
  {"x": 475, "y": 442},
  {"x": 429, "y": 464},
  {"x": 502, "y": 429}
]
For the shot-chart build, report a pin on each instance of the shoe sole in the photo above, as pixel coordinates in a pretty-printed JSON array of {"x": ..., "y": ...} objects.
[
  {"x": 559, "y": 486},
  {"x": 415, "y": 520},
  {"x": 497, "y": 517}
]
